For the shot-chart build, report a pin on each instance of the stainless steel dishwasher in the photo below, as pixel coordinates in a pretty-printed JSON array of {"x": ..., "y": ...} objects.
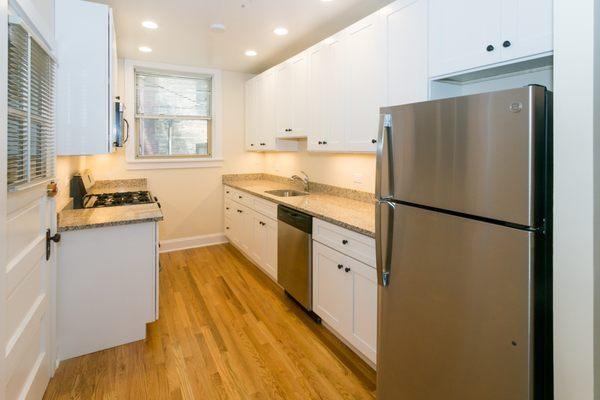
[{"x": 294, "y": 255}]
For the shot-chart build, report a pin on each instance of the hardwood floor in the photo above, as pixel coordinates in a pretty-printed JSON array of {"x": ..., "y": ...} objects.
[{"x": 226, "y": 331}]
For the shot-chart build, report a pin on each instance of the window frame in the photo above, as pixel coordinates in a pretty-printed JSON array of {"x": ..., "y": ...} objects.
[{"x": 215, "y": 156}]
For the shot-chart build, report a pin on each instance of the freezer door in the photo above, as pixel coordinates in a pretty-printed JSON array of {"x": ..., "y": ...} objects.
[
  {"x": 455, "y": 319},
  {"x": 473, "y": 154}
]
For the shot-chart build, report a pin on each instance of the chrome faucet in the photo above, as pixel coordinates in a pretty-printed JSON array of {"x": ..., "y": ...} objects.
[{"x": 304, "y": 180}]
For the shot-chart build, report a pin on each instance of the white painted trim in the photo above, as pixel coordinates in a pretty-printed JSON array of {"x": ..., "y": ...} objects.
[
  {"x": 166, "y": 246},
  {"x": 217, "y": 118}
]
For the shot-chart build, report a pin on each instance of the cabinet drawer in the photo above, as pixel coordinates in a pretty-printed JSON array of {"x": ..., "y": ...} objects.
[
  {"x": 228, "y": 208},
  {"x": 229, "y": 192},
  {"x": 265, "y": 207},
  {"x": 243, "y": 198},
  {"x": 354, "y": 244}
]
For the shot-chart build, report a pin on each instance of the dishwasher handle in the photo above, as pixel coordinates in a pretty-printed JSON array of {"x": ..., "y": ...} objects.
[{"x": 295, "y": 218}]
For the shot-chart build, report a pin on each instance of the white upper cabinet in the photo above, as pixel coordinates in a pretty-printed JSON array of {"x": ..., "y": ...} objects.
[
  {"x": 470, "y": 34},
  {"x": 85, "y": 78},
  {"x": 365, "y": 83},
  {"x": 327, "y": 85},
  {"x": 291, "y": 97},
  {"x": 251, "y": 110},
  {"x": 261, "y": 123},
  {"x": 406, "y": 66}
]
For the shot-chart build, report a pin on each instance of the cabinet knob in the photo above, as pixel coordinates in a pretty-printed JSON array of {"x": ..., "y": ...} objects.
[
  {"x": 344, "y": 241},
  {"x": 340, "y": 266},
  {"x": 506, "y": 43},
  {"x": 252, "y": 144},
  {"x": 227, "y": 227},
  {"x": 373, "y": 141},
  {"x": 347, "y": 269},
  {"x": 320, "y": 142},
  {"x": 240, "y": 197},
  {"x": 490, "y": 47},
  {"x": 227, "y": 191},
  {"x": 227, "y": 208},
  {"x": 324, "y": 142}
]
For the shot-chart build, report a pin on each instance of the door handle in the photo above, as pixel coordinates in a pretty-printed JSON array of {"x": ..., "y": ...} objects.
[
  {"x": 384, "y": 178},
  {"x": 50, "y": 238},
  {"x": 384, "y": 232}
]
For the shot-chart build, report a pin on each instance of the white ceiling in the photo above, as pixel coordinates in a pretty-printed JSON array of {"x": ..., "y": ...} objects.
[{"x": 184, "y": 36}]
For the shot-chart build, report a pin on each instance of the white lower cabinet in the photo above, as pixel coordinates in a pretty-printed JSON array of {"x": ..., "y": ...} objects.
[
  {"x": 251, "y": 231},
  {"x": 345, "y": 297}
]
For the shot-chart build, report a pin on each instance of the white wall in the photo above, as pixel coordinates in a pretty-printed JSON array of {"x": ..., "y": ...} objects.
[
  {"x": 577, "y": 200},
  {"x": 354, "y": 171},
  {"x": 192, "y": 199}
]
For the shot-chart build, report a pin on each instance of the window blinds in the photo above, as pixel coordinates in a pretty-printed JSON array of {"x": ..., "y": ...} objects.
[
  {"x": 175, "y": 96},
  {"x": 30, "y": 147}
]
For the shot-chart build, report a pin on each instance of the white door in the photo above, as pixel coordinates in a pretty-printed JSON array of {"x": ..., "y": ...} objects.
[
  {"x": 406, "y": 44},
  {"x": 266, "y": 111},
  {"x": 29, "y": 297},
  {"x": 365, "y": 83},
  {"x": 463, "y": 34},
  {"x": 327, "y": 96},
  {"x": 257, "y": 248},
  {"x": 251, "y": 112},
  {"x": 270, "y": 255},
  {"x": 299, "y": 94},
  {"x": 283, "y": 90},
  {"x": 364, "y": 320},
  {"x": 526, "y": 28},
  {"x": 332, "y": 288}
]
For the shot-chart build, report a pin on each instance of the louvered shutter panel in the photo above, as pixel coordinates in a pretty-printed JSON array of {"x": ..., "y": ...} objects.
[{"x": 30, "y": 128}]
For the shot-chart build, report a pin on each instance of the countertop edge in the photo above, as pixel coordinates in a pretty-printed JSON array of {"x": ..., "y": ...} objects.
[
  {"x": 326, "y": 218},
  {"x": 71, "y": 228}
]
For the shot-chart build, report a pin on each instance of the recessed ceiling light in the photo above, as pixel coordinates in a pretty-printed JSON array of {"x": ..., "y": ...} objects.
[
  {"x": 150, "y": 24},
  {"x": 145, "y": 49},
  {"x": 281, "y": 31},
  {"x": 251, "y": 53},
  {"x": 217, "y": 27}
]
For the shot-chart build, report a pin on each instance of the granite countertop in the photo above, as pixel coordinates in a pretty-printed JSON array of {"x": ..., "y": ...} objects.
[
  {"x": 70, "y": 219},
  {"x": 349, "y": 209}
]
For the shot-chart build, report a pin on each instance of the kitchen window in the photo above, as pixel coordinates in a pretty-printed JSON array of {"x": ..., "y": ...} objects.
[
  {"x": 30, "y": 110},
  {"x": 173, "y": 115}
]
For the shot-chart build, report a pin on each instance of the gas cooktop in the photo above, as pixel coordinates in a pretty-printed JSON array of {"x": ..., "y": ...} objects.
[{"x": 117, "y": 199}]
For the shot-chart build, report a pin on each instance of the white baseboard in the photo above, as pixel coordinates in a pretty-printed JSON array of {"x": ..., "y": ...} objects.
[{"x": 192, "y": 242}]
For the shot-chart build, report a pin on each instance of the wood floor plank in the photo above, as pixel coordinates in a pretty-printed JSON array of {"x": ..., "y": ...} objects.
[{"x": 226, "y": 331}]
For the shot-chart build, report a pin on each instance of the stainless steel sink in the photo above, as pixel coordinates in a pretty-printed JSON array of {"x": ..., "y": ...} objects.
[{"x": 286, "y": 193}]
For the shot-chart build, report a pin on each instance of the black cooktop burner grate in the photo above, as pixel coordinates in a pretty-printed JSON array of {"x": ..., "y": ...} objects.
[{"x": 117, "y": 199}]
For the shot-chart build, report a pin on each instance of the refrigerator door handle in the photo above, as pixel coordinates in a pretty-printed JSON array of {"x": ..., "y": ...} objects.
[
  {"x": 384, "y": 231},
  {"x": 384, "y": 180}
]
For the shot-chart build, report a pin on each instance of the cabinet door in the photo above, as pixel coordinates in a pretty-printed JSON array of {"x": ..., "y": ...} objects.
[
  {"x": 251, "y": 114},
  {"x": 299, "y": 94},
  {"x": 460, "y": 32},
  {"x": 258, "y": 239},
  {"x": 266, "y": 111},
  {"x": 405, "y": 24},
  {"x": 228, "y": 228},
  {"x": 327, "y": 96},
  {"x": 270, "y": 249},
  {"x": 332, "y": 288},
  {"x": 365, "y": 84},
  {"x": 364, "y": 318},
  {"x": 283, "y": 89},
  {"x": 526, "y": 28}
]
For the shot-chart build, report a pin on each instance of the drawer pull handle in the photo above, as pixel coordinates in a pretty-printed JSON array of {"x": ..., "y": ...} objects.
[
  {"x": 347, "y": 269},
  {"x": 344, "y": 241},
  {"x": 340, "y": 266},
  {"x": 240, "y": 197}
]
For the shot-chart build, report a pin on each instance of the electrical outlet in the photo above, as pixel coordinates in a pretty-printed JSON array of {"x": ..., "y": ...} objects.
[{"x": 358, "y": 177}]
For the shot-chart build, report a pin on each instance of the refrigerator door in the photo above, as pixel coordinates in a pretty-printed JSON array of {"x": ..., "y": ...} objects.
[
  {"x": 476, "y": 155},
  {"x": 455, "y": 319}
]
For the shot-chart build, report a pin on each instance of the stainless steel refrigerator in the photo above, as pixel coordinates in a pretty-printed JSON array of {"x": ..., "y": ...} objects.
[{"x": 464, "y": 248}]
